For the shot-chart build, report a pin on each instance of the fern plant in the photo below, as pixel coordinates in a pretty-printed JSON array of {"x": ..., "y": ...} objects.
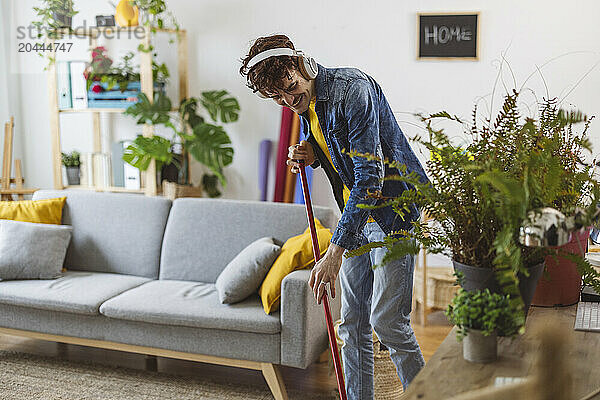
[
  {"x": 207, "y": 142},
  {"x": 480, "y": 194}
]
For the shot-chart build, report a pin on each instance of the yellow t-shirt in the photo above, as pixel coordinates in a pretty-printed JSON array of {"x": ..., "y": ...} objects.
[{"x": 315, "y": 128}]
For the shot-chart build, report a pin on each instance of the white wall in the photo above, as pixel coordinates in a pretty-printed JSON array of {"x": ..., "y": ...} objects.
[{"x": 378, "y": 37}]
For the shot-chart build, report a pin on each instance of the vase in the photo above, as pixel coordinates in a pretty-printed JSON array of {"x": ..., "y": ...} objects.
[
  {"x": 477, "y": 278},
  {"x": 562, "y": 285},
  {"x": 73, "y": 175},
  {"x": 479, "y": 348}
]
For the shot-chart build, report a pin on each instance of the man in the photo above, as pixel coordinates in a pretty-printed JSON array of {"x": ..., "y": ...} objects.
[{"x": 346, "y": 110}]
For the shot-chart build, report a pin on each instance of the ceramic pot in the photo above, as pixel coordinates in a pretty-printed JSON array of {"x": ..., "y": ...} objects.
[
  {"x": 476, "y": 278},
  {"x": 478, "y": 348},
  {"x": 562, "y": 285}
]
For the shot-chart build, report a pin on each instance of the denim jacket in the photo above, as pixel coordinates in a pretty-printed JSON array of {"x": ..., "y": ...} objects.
[{"x": 355, "y": 116}]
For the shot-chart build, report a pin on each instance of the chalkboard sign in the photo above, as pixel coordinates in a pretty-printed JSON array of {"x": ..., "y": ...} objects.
[{"x": 448, "y": 36}]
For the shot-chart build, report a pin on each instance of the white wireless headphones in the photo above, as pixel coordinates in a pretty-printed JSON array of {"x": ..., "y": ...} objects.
[{"x": 308, "y": 65}]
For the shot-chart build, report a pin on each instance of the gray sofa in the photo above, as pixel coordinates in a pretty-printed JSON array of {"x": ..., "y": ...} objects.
[{"x": 140, "y": 278}]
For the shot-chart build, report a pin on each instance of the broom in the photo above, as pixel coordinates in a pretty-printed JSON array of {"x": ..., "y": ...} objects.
[{"x": 313, "y": 232}]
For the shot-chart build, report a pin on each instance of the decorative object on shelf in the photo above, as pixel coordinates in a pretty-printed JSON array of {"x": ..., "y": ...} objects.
[
  {"x": 126, "y": 14},
  {"x": 105, "y": 20},
  {"x": 173, "y": 190},
  {"x": 478, "y": 316},
  {"x": 480, "y": 194},
  {"x": 6, "y": 192},
  {"x": 72, "y": 162},
  {"x": 54, "y": 14},
  {"x": 209, "y": 144}
]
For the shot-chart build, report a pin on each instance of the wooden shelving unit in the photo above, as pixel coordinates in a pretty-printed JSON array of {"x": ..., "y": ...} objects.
[{"x": 148, "y": 178}]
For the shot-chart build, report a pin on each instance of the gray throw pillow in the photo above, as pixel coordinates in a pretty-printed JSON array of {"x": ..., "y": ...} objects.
[
  {"x": 244, "y": 274},
  {"x": 32, "y": 251}
]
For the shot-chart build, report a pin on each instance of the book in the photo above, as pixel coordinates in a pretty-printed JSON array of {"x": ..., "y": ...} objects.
[
  {"x": 63, "y": 76},
  {"x": 102, "y": 170},
  {"x": 78, "y": 84},
  {"x": 86, "y": 171},
  {"x": 118, "y": 165}
]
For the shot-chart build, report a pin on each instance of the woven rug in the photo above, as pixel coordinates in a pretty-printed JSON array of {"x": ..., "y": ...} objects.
[{"x": 28, "y": 377}]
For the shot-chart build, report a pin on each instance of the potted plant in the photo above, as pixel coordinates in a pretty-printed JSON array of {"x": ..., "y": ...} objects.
[
  {"x": 154, "y": 14},
  {"x": 478, "y": 316},
  {"x": 481, "y": 193},
  {"x": 102, "y": 74},
  {"x": 71, "y": 162},
  {"x": 54, "y": 14},
  {"x": 207, "y": 142}
]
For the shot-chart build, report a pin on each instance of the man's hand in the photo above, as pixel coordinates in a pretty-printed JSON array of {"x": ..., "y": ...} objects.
[
  {"x": 326, "y": 271},
  {"x": 302, "y": 151}
]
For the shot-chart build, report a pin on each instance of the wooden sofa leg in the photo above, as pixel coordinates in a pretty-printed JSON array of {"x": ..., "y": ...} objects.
[{"x": 274, "y": 379}]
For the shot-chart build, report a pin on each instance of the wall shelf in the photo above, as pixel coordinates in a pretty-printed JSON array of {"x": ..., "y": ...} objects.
[{"x": 148, "y": 178}]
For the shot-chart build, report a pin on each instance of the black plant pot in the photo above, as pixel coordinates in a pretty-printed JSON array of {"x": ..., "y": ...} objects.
[
  {"x": 62, "y": 20},
  {"x": 475, "y": 278},
  {"x": 73, "y": 175},
  {"x": 170, "y": 172}
]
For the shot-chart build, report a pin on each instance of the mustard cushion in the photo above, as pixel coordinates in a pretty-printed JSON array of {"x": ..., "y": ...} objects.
[
  {"x": 296, "y": 253},
  {"x": 46, "y": 211}
]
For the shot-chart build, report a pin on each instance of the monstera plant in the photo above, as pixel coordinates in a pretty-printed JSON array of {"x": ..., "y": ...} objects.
[{"x": 206, "y": 141}]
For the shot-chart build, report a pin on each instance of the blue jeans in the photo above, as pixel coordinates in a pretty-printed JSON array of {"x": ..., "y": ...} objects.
[{"x": 378, "y": 299}]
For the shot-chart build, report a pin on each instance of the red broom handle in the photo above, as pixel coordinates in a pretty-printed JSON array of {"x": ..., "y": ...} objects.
[{"x": 313, "y": 233}]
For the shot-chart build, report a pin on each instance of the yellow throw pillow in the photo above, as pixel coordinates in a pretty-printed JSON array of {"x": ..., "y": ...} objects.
[
  {"x": 296, "y": 253},
  {"x": 46, "y": 211}
]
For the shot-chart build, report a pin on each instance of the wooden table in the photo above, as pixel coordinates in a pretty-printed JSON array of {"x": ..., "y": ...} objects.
[{"x": 447, "y": 374}]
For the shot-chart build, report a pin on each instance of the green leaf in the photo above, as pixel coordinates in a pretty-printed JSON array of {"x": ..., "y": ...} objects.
[
  {"x": 144, "y": 149},
  {"x": 151, "y": 113},
  {"x": 221, "y": 106},
  {"x": 210, "y": 145}
]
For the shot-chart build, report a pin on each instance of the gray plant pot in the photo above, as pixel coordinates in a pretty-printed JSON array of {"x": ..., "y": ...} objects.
[
  {"x": 63, "y": 20},
  {"x": 73, "y": 175},
  {"x": 476, "y": 278},
  {"x": 478, "y": 348}
]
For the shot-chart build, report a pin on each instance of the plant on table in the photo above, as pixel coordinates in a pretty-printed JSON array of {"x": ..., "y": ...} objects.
[
  {"x": 481, "y": 193},
  {"x": 479, "y": 310}
]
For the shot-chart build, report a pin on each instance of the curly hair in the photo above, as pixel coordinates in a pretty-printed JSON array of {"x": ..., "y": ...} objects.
[{"x": 268, "y": 74}]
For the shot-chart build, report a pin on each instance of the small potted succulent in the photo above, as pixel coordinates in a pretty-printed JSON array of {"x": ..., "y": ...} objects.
[
  {"x": 71, "y": 162},
  {"x": 478, "y": 316}
]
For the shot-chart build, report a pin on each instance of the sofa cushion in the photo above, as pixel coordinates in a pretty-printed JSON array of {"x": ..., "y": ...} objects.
[
  {"x": 203, "y": 235},
  {"x": 113, "y": 232},
  {"x": 32, "y": 251},
  {"x": 191, "y": 304},
  {"x": 244, "y": 274},
  {"x": 46, "y": 211},
  {"x": 74, "y": 292}
]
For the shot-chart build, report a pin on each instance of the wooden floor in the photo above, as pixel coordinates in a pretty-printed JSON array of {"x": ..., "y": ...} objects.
[{"x": 317, "y": 378}]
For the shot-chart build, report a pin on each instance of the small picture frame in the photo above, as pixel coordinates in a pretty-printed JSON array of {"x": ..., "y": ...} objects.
[
  {"x": 448, "y": 36},
  {"x": 105, "y": 20}
]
